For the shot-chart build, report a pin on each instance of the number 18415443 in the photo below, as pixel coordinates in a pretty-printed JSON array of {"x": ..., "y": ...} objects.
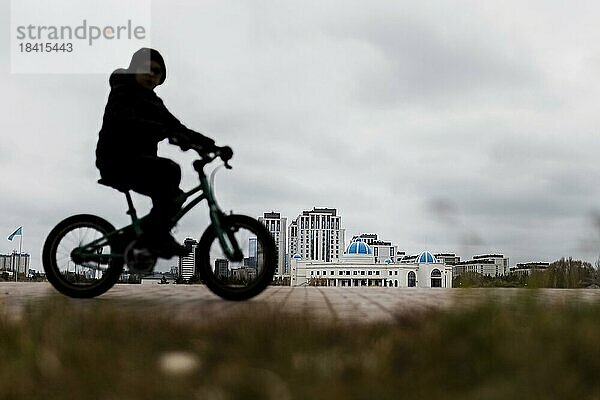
[{"x": 45, "y": 47}]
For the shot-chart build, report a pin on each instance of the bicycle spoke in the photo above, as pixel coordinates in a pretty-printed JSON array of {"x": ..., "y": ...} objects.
[{"x": 87, "y": 272}]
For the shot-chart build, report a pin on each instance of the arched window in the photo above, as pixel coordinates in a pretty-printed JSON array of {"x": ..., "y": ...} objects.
[
  {"x": 436, "y": 278},
  {"x": 412, "y": 279}
]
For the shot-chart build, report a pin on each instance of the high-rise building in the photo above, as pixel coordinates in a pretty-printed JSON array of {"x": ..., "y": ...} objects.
[
  {"x": 293, "y": 245},
  {"x": 317, "y": 235},
  {"x": 222, "y": 268},
  {"x": 252, "y": 247},
  {"x": 252, "y": 260},
  {"x": 15, "y": 261},
  {"x": 5, "y": 262},
  {"x": 187, "y": 263},
  {"x": 276, "y": 224}
]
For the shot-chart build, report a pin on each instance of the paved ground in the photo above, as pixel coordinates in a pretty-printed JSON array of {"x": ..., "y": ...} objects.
[{"x": 196, "y": 302}]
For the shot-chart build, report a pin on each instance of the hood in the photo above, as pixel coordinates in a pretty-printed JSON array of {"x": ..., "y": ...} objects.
[
  {"x": 144, "y": 54},
  {"x": 121, "y": 77}
]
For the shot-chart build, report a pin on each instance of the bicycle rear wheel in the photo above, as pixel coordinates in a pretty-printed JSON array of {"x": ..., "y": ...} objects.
[
  {"x": 88, "y": 273},
  {"x": 244, "y": 278}
]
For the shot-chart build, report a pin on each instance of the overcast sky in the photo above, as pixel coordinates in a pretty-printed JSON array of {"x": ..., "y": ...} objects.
[{"x": 464, "y": 126}]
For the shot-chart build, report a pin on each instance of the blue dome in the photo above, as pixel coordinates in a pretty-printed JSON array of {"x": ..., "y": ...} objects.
[
  {"x": 359, "y": 247},
  {"x": 426, "y": 257},
  {"x": 297, "y": 257},
  {"x": 388, "y": 261}
]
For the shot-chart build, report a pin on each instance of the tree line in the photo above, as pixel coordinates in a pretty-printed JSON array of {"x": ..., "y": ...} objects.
[{"x": 565, "y": 273}]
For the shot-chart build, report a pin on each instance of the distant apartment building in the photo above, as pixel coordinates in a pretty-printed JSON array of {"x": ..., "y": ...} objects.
[
  {"x": 448, "y": 258},
  {"x": 5, "y": 262},
  {"x": 252, "y": 247},
  {"x": 383, "y": 251},
  {"x": 15, "y": 261},
  {"x": 399, "y": 256},
  {"x": 367, "y": 238},
  {"x": 276, "y": 224},
  {"x": 222, "y": 268},
  {"x": 485, "y": 264},
  {"x": 293, "y": 248},
  {"x": 317, "y": 235},
  {"x": 404, "y": 258},
  {"x": 187, "y": 263},
  {"x": 251, "y": 260},
  {"x": 529, "y": 267}
]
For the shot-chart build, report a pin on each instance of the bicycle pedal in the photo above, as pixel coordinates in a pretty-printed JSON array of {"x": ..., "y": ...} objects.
[{"x": 139, "y": 260}]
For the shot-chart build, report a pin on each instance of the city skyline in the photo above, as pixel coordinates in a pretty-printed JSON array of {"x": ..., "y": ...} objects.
[
  {"x": 371, "y": 238},
  {"x": 166, "y": 265},
  {"x": 464, "y": 127}
]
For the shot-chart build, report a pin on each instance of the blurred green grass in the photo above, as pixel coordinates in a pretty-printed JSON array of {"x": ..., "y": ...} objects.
[{"x": 518, "y": 349}]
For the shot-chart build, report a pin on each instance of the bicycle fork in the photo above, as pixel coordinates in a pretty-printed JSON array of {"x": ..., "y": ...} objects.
[{"x": 226, "y": 237}]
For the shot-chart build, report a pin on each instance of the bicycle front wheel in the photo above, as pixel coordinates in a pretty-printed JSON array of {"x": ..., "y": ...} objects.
[
  {"x": 237, "y": 279},
  {"x": 88, "y": 271}
]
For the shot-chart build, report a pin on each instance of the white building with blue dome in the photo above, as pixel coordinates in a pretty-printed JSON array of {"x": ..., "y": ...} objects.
[
  {"x": 357, "y": 268},
  {"x": 358, "y": 246}
]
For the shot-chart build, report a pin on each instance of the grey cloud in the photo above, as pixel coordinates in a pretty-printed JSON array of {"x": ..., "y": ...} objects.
[
  {"x": 4, "y": 50},
  {"x": 437, "y": 60},
  {"x": 423, "y": 121},
  {"x": 444, "y": 210},
  {"x": 525, "y": 198},
  {"x": 5, "y": 154}
]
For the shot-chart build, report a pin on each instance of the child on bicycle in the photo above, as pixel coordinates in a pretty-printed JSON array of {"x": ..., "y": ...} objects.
[{"x": 135, "y": 121}]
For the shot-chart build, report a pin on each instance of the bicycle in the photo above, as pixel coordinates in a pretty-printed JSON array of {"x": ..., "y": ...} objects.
[{"x": 84, "y": 255}]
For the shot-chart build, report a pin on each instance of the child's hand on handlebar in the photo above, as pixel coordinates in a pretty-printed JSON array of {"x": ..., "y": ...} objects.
[
  {"x": 226, "y": 153},
  {"x": 188, "y": 139}
]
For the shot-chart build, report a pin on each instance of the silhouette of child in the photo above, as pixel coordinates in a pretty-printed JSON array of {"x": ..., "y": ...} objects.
[{"x": 135, "y": 120}]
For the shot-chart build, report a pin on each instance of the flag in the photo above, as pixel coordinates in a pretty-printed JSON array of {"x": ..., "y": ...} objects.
[{"x": 18, "y": 232}]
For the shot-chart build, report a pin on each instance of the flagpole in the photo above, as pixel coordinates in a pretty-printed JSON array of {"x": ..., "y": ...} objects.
[
  {"x": 18, "y": 232},
  {"x": 20, "y": 252}
]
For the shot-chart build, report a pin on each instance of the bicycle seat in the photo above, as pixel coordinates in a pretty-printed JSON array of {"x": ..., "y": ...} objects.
[{"x": 120, "y": 186}]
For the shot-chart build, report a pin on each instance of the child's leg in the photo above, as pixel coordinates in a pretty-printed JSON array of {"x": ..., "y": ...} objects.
[{"x": 158, "y": 178}]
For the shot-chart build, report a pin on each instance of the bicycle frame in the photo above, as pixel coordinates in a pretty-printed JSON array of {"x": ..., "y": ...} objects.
[{"x": 92, "y": 251}]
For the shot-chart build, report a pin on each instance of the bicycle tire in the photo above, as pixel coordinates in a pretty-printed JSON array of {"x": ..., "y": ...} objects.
[
  {"x": 53, "y": 271},
  {"x": 266, "y": 244}
]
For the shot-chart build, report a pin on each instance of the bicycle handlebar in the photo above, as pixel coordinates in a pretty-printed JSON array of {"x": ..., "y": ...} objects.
[{"x": 225, "y": 153}]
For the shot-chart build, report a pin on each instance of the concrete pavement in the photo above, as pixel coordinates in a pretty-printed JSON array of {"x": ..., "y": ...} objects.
[{"x": 197, "y": 303}]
